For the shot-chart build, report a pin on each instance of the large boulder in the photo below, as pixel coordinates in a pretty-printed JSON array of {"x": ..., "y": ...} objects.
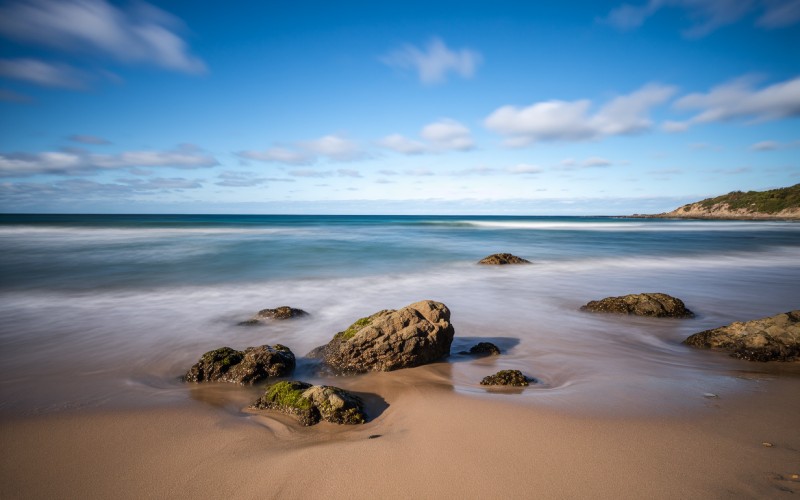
[
  {"x": 499, "y": 259},
  {"x": 242, "y": 367},
  {"x": 417, "y": 334},
  {"x": 659, "y": 305},
  {"x": 312, "y": 403},
  {"x": 776, "y": 338},
  {"x": 279, "y": 313},
  {"x": 513, "y": 378}
]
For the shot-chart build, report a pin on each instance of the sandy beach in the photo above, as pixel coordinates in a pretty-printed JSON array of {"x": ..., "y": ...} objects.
[{"x": 426, "y": 441}]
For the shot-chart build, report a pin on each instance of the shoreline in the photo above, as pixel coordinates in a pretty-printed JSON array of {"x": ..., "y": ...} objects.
[{"x": 430, "y": 441}]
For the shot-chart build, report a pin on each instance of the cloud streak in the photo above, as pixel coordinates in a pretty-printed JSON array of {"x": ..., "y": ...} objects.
[{"x": 141, "y": 34}]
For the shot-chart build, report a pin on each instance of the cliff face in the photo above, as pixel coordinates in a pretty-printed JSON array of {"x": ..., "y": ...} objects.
[{"x": 781, "y": 203}]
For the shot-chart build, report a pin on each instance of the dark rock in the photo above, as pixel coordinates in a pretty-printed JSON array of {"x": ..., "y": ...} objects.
[
  {"x": 483, "y": 349},
  {"x": 506, "y": 377},
  {"x": 312, "y": 403},
  {"x": 388, "y": 340},
  {"x": 279, "y": 313},
  {"x": 499, "y": 259},
  {"x": 659, "y": 305},
  {"x": 776, "y": 338},
  {"x": 242, "y": 367}
]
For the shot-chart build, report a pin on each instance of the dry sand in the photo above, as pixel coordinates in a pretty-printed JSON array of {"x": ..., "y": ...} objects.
[{"x": 431, "y": 442}]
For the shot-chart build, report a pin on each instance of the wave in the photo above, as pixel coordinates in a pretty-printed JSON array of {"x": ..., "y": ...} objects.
[{"x": 635, "y": 225}]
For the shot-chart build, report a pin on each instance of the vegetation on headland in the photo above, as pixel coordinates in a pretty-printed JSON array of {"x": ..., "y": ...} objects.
[{"x": 782, "y": 203}]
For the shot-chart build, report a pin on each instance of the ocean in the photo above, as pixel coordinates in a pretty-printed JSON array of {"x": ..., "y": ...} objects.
[{"x": 107, "y": 311}]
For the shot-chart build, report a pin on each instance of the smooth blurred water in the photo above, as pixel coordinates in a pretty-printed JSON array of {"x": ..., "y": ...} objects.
[{"x": 96, "y": 308}]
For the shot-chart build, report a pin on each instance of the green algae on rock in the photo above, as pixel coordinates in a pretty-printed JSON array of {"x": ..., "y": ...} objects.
[
  {"x": 500, "y": 259},
  {"x": 513, "y": 378},
  {"x": 482, "y": 349},
  {"x": 415, "y": 335},
  {"x": 279, "y": 313},
  {"x": 242, "y": 367},
  {"x": 659, "y": 305},
  {"x": 313, "y": 403},
  {"x": 775, "y": 338}
]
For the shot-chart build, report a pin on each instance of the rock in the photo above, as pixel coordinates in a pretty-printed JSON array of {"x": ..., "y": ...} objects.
[
  {"x": 506, "y": 377},
  {"x": 415, "y": 335},
  {"x": 242, "y": 367},
  {"x": 499, "y": 259},
  {"x": 776, "y": 338},
  {"x": 659, "y": 305},
  {"x": 279, "y": 313},
  {"x": 312, "y": 403},
  {"x": 483, "y": 349}
]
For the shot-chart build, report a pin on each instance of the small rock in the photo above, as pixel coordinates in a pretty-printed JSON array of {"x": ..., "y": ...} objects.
[
  {"x": 767, "y": 444},
  {"x": 506, "y": 377},
  {"x": 659, "y": 305},
  {"x": 242, "y": 367},
  {"x": 279, "y": 313},
  {"x": 482, "y": 349},
  {"x": 313, "y": 403},
  {"x": 709, "y": 395},
  {"x": 795, "y": 477},
  {"x": 499, "y": 259}
]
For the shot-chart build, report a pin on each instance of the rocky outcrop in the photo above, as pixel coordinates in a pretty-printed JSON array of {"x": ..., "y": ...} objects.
[
  {"x": 482, "y": 349},
  {"x": 313, "y": 403},
  {"x": 279, "y": 313},
  {"x": 415, "y": 335},
  {"x": 776, "y": 338},
  {"x": 513, "y": 378},
  {"x": 659, "y": 305},
  {"x": 242, "y": 367},
  {"x": 499, "y": 259}
]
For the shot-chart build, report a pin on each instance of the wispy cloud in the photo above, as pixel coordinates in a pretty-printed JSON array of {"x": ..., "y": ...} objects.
[
  {"x": 43, "y": 73},
  {"x": 524, "y": 168},
  {"x": 278, "y": 155},
  {"x": 140, "y": 34},
  {"x": 708, "y": 15},
  {"x": 89, "y": 139},
  {"x": 738, "y": 99},
  {"x": 591, "y": 162},
  {"x": 335, "y": 147},
  {"x": 239, "y": 179},
  {"x": 402, "y": 144},
  {"x": 330, "y": 147},
  {"x": 76, "y": 162},
  {"x": 434, "y": 62},
  {"x": 442, "y": 135},
  {"x": 773, "y": 145},
  {"x": 574, "y": 120}
]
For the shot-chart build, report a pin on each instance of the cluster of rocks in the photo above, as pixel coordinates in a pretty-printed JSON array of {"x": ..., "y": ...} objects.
[{"x": 421, "y": 333}]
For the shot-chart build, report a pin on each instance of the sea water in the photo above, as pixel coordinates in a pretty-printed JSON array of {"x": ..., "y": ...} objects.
[{"x": 102, "y": 310}]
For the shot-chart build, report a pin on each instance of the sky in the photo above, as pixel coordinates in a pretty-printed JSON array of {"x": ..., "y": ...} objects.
[{"x": 438, "y": 107}]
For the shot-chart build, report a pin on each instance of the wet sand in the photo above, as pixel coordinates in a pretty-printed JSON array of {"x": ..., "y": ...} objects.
[{"x": 424, "y": 441}]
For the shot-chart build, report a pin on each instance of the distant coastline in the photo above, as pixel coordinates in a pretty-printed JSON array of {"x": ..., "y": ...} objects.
[{"x": 775, "y": 204}]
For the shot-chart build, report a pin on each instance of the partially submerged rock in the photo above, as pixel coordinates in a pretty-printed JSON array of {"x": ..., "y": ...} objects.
[
  {"x": 482, "y": 349},
  {"x": 312, "y": 403},
  {"x": 513, "y": 378},
  {"x": 279, "y": 313},
  {"x": 776, "y": 338},
  {"x": 499, "y": 259},
  {"x": 242, "y": 367},
  {"x": 658, "y": 305},
  {"x": 415, "y": 335}
]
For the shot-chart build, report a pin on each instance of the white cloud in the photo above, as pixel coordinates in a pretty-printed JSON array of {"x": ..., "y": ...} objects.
[
  {"x": 739, "y": 100},
  {"x": 310, "y": 172},
  {"x": 433, "y": 64},
  {"x": 402, "y": 144},
  {"x": 348, "y": 172},
  {"x": 573, "y": 120},
  {"x": 239, "y": 179},
  {"x": 279, "y": 155},
  {"x": 140, "y": 34},
  {"x": 674, "y": 127},
  {"x": 708, "y": 15},
  {"x": 596, "y": 161},
  {"x": 334, "y": 147},
  {"x": 420, "y": 172},
  {"x": 765, "y": 146},
  {"x": 592, "y": 162},
  {"x": 447, "y": 134},
  {"x": 43, "y": 73},
  {"x": 76, "y": 162},
  {"x": 524, "y": 168}
]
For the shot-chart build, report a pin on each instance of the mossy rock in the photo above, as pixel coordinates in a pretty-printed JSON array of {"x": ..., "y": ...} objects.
[
  {"x": 242, "y": 367},
  {"x": 313, "y": 403},
  {"x": 359, "y": 324},
  {"x": 513, "y": 378},
  {"x": 658, "y": 305},
  {"x": 501, "y": 259},
  {"x": 482, "y": 349},
  {"x": 279, "y": 313}
]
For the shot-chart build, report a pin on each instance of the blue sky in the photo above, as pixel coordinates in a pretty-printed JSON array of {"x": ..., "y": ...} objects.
[{"x": 529, "y": 108}]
